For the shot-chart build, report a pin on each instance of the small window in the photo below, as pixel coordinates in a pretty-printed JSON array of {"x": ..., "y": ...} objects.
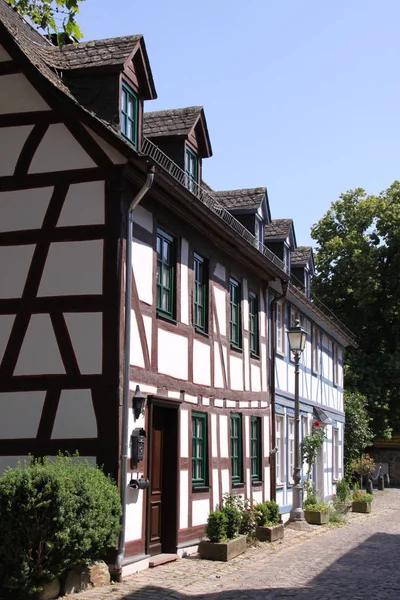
[
  {"x": 280, "y": 328},
  {"x": 315, "y": 351},
  {"x": 165, "y": 275},
  {"x": 280, "y": 453},
  {"x": 199, "y": 449},
  {"x": 291, "y": 450},
  {"x": 335, "y": 357},
  {"x": 129, "y": 115},
  {"x": 253, "y": 325},
  {"x": 255, "y": 441},
  {"x": 335, "y": 454},
  {"x": 191, "y": 170},
  {"x": 200, "y": 293},
  {"x": 236, "y": 448},
  {"x": 235, "y": 314}
]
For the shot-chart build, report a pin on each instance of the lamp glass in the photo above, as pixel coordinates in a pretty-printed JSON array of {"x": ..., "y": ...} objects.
[{"x": 297, "y": 337}]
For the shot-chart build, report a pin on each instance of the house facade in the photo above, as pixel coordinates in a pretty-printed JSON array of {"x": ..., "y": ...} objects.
[{"x": 211, "y": 294}]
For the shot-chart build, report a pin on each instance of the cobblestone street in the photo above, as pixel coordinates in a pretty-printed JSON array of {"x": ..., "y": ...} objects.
[{"x": 357, "y": 561}]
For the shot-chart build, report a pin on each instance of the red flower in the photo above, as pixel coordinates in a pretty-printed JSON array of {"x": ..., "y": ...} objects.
[{"x": 316, "y": 424}]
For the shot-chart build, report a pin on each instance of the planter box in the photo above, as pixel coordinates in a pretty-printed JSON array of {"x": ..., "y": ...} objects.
[
  {"x": 316, "y": 517},
  {"x": 223, "y": 551},
  {"x": 270, "y": 533},
  {"x": 361, "y": 507}
]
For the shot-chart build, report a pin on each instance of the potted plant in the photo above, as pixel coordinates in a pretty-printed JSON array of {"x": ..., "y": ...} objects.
[
  {"x": 223, "y": 526},
  {"x": 267, "y": 518},
  {"x": 315, "y": 513},
  {"x": 363, "y": 466},
  {"x": 361, "y": 501}
]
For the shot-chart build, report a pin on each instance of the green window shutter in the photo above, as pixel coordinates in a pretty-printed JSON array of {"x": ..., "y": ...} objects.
[
  {"x": 235, "y": 314},
  {"x": 253, "y": 325},
  {"x": 199, "y": 449},
  {"x": 165, "y": 274},
  {"x": 255, "y": 441},
  {"x": 129, "y": 115},
  {"x": 236, "y": 448},
  {"x": 200, "y": 293}
]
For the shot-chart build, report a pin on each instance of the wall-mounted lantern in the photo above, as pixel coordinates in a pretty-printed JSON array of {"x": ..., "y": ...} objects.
[{"x": 139, "y": 403}]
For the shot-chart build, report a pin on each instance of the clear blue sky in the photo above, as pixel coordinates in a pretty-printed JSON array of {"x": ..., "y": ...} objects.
[{"x": 300, "y": 96}]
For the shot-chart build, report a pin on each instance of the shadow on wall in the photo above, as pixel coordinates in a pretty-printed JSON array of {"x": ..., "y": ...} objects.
[{"x": 369, "y": 571}]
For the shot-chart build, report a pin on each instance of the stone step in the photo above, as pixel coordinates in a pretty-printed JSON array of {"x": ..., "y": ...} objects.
[{"x": 161, "y": 559}]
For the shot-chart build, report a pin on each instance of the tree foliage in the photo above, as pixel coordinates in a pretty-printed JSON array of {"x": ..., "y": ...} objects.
[
  {"x": 358, "y": 277},
  {"x": 53, "y": 16},
  {"x": 357, "y": 431}
]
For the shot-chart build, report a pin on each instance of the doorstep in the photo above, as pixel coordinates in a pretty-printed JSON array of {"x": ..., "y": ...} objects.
[{"x": 162, "y": 559}]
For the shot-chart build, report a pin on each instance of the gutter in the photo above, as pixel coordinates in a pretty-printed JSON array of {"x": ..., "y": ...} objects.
[
  {"x": 273, "y": 450},
  {"x": 127, "y": 344}
]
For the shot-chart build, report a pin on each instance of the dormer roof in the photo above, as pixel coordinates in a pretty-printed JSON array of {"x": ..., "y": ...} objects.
[
  {"x": 303, "y": 257},
  {"x": 280, "y": 230},
  {"x": 241, "y": 199},
  {"x": 179, "y": 122}
]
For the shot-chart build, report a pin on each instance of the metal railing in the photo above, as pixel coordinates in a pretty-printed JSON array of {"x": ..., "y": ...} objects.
[{"x": 206, "y": 198}]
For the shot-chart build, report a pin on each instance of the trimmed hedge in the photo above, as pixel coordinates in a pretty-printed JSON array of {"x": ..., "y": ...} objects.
[{"x": 53, "y": 515}]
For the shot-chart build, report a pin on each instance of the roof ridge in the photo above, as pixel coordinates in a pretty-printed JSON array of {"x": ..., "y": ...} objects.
[{"x": 168, "y": 110}]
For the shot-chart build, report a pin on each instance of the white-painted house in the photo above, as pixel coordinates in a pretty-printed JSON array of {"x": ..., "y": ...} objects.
[{"x": 75, "y": 146}]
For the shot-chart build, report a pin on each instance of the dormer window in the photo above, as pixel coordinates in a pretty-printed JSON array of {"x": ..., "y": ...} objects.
[
  {"x": 287, "y": 257},
  {"x": 259, "y": 230},
  {"x": 129, "y": 114},
  {"x": 191, "y": 170}
]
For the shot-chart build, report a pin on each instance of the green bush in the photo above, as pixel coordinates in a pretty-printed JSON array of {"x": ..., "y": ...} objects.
[
  {"x": 343, "y": 492},
  {"x": 317, "y": 507},
  {"x": 273, "y": 510},
  {"x": 248, "y": 520},
  {"x": 216, "y": 525},
  {"x": 53, "y": 515}
]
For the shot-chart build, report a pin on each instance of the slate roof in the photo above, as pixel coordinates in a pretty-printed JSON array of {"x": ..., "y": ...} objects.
[
  {"x": 239, "y": 199},
  {"x": 301, "y": 255},
  {"x": 278, "y": 229},
  {"x": 98, "y": 53},
  {"x": 177, "y": 121}
]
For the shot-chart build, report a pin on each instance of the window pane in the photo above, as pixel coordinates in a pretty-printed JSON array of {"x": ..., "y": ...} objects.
[{"x": 123, "y": 100}]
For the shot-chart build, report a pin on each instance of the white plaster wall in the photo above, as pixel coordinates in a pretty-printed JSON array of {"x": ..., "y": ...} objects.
[
  {"x": 281, "y": 374},
  {"x": 192, "y": 399},
  {"x": 225, "y": 481},
  {"x": 185, "y": 281},
  {"x": 236, "y": 372},
  {"x": 148, "y": 324},
  {"x": 134, "y": 513},
  {"x": 11, "y": 461},
  {"x": 116, "y": 157},
  {"x": 18, "y": 95},
  {"x": 173, "y": 394},
  {"x": 223, "y": 437},
  {"x": 136, "y": 353},
  {"x": 218, "y": 368},
  {"x": 220, "y": 305},
  {"x": 84, "y": 205},
  {"x": 86, "y": 333},
  {"x": 257, "y": 497},
  {"x": 184, "y": 499},
  {"x": 220, "y": 272},
  {"x": 214, "y": 445},
  {"x": 14, "y": 266},
  {"x": 245, "y": 304},
  {"x": 172, "y": 354},
  {"x": 201, "y": 363},
  {"x": 290, "y": 378},
  {"x": 75, "y": 416},
  {"x": 20, "y": 414},
  {"x": 255, "y": 378},
  {"x": 246, "y": 358},
  {"x": 143, "y": 217},
  {"x": 142, "y": 263},
  {"x": 215, "y": 484},
  {"x": 59, "y": 151},
  {"x": 12, "y": 138},
  {"x": 39, "y": 353},
  {"x": 263, "y": 359},
  {"x": 184, "y": 416},
  {"x": 200, "y": 510},
  {"x": 267, "y": 481},
  {"x": 4, "y": 56},
  {"x": 24, "y": 209},
  {"x": 6, "y": 323},
  {"x": 262, "y": 317},
  {"x": 266, "y": 443},
  {"x": 73, "y": 268}
]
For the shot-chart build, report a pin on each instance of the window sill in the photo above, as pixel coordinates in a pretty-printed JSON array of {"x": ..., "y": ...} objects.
[
  {"x": 198, "y": 489},
  {"x": 280, "y": 484},
  {"x": 256, "y": 483},
  {"x": 255, "y": 356},
  {"x": 238, "y": 485},
  {"x": 201, "y": 332},
  {"x": 165, "y": 317},
  {"x": 280, "y": 353},
  {"x": 236, "y": 348}
]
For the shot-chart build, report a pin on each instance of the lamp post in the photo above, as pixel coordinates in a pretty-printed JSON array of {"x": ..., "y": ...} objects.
[{"x": 297, "y": 341}]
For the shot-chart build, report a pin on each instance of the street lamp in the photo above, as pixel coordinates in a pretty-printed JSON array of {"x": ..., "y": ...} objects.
[{"x": 297, "y": 341}]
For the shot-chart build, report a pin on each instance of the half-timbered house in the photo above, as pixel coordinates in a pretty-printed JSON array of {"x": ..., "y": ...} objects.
[{"x": 188, "y": 314}]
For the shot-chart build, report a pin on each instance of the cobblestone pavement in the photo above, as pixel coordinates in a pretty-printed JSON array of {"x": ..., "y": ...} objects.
[{"x": 358, "y": 561}]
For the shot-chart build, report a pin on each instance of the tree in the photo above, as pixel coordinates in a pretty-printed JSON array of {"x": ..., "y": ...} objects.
[
  {"x": 53, "y": 16},
  {"x": 357, "y": 430},
  {"x": 358, "y": 265}
]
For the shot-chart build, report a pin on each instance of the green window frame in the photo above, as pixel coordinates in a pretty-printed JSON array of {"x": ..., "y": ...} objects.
[
  {"x": 253, "y": 325},
  {"x": 235, "y": 295},
  {"x": 200, "y": 269},
  {"x": 191, "y": 170},
  {"x": 255, "y": 442},
  {"x": 199, "y": 450},
  {"x": 129, "y": 114},
  {"x": 165, "y": 275},
  {"x": 236, "y": 448}
]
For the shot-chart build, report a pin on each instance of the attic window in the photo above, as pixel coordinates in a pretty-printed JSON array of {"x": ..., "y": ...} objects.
[
  {"x": 191, "y": 170},
  {"x": 129, "y": 114}
]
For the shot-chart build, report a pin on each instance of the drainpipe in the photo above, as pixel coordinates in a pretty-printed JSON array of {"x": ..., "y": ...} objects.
[
  {"x": 273, "y": 450},
  {"x": 127, "y": 344}
]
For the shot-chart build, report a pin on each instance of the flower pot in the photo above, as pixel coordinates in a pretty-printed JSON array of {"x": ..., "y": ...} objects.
[
  {"x": 361, "y": 507},
  {"x": 270, "y": 533},
  {"x": 316, "y": 517},
  {"x": 223, "y": 551}
]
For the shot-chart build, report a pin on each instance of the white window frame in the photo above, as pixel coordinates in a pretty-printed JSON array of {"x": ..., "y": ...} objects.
[
  {"x": 335, "y": 453},
  {"x": 280, "y": 453},
  {"x": 315, "y": 349},
  {"x": 291, "y": 426},
  {"x": 280, "y": 327}
]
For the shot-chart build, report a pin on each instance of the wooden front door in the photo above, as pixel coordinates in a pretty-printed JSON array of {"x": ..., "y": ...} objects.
[{"x": 163, "y": 466}]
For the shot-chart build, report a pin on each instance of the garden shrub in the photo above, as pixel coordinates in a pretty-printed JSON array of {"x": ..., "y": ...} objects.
[
  {"x": 53, "y": 515},
  {"x": 342, "y": 490},
  {"x": 273, "y": 510},
  {"x": 232, "y": 506},
  {"x": 248, "y": 521},
  {"x": 216, "y": 525},
  {"x": 261, "y": 512}
]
